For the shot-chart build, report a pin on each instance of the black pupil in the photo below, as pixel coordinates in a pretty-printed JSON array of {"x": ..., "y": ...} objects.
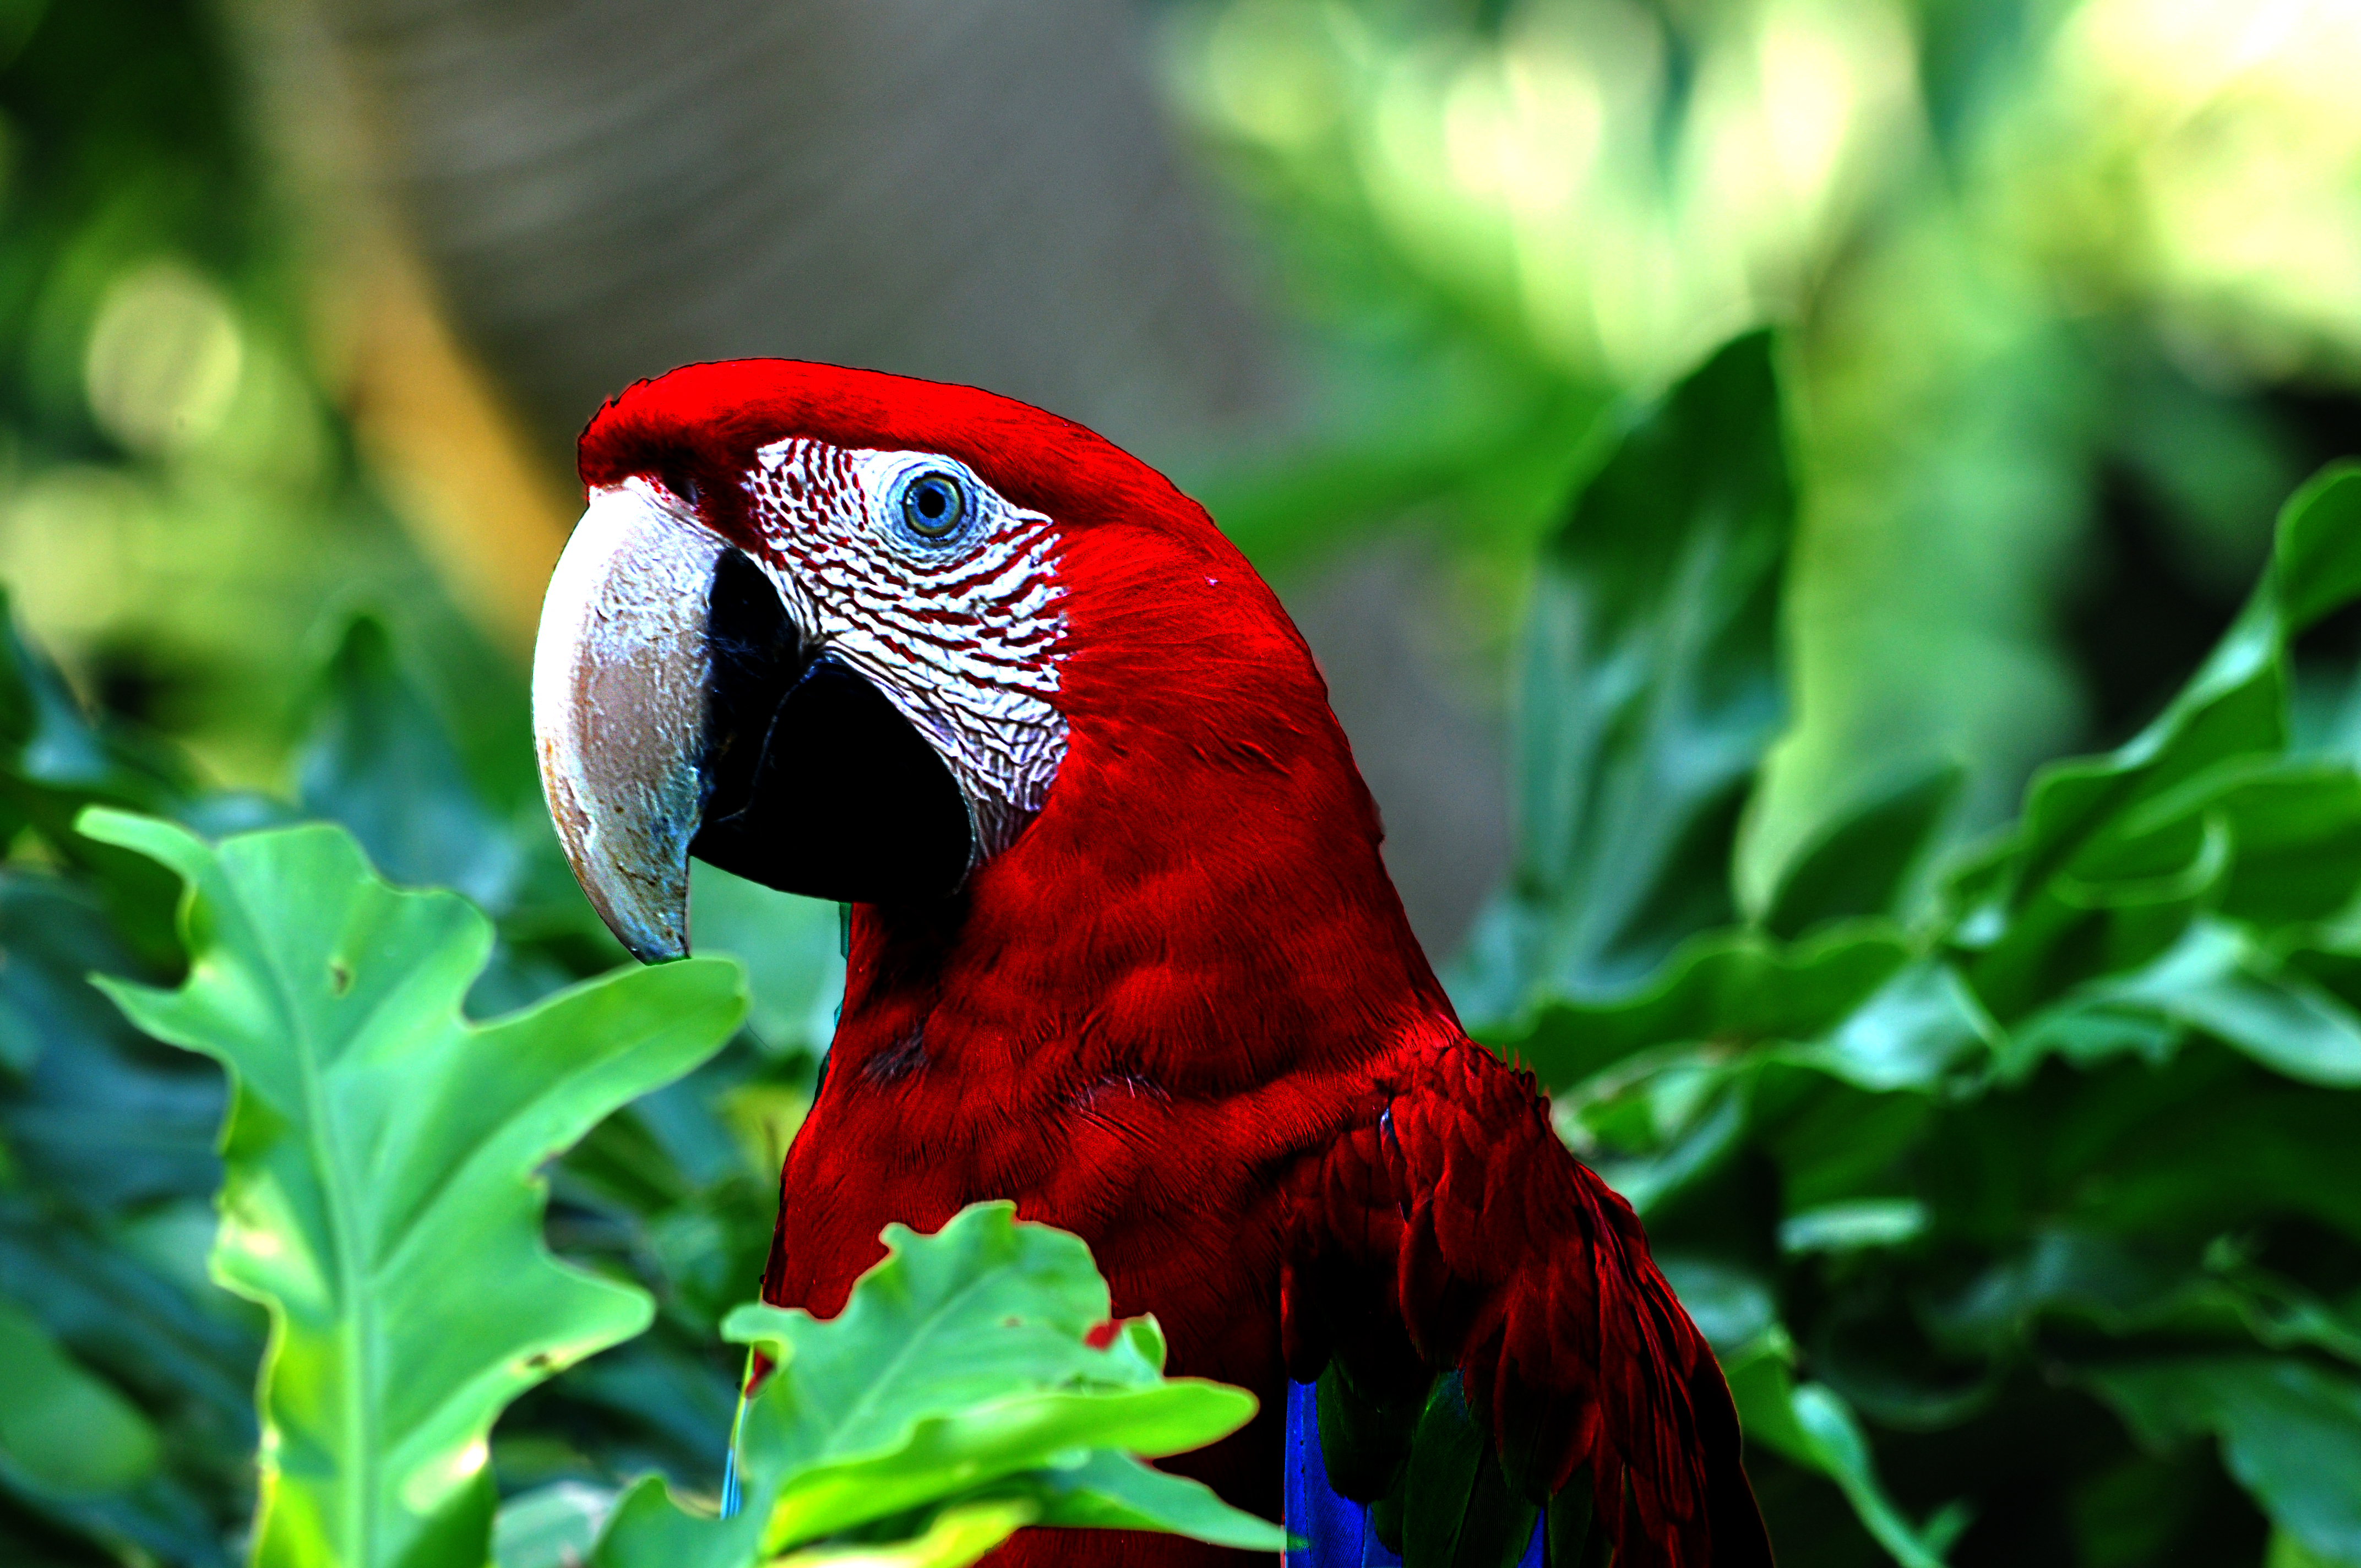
[{"x": 932, "y": 501}]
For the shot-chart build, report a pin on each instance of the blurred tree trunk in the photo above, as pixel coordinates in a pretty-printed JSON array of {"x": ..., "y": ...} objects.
[{"x": 975, "y": 192}]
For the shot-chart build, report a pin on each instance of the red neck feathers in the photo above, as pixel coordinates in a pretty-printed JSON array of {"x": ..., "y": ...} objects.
[{"x": 1200, "y": 903}]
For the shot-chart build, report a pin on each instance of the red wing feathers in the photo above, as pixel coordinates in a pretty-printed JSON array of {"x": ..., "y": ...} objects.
[{"x": 1453, "y": 1225}]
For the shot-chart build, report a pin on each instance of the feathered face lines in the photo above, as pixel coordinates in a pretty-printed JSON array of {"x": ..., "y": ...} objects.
[
  {"x": 830, "y": 672},
  {"x": 910, "y": 569}
]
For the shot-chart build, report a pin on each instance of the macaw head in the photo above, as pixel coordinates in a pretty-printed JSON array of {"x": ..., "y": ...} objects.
[{"x": 852, "y": 635}]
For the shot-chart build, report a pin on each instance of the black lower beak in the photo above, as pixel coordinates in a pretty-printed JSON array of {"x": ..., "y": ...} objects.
[{"x": 813, "y": 782}]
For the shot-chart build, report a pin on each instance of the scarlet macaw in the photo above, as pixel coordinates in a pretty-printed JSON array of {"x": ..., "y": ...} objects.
[{"x": 1122, "y": 948}]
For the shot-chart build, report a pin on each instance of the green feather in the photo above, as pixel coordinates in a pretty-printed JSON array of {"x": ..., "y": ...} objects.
[
  {"x": 1573, "y": 1538},
  {"x": 1459, "y": 1509},
  {"x": 1365, "y": 1437}
]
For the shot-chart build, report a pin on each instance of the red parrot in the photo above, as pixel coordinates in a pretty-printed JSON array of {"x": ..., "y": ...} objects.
[{"x": 1123, "y": 949}]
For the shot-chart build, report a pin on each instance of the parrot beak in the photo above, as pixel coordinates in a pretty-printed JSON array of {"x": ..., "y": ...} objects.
[
  {"x": 618, "y": 677},
  {"x": 680, "y": 709}
]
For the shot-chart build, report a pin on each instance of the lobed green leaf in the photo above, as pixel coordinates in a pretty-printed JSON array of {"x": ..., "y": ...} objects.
[
  {"x": 382, "y": 1197},
  {"x": 958, "y": 1375}
]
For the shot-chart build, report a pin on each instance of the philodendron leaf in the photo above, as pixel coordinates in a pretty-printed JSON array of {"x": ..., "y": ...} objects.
[
  {"x": 2218, "y": 980},
  {"x": 63, "y": 1431},
  {"x": 381, "y": 1196},
  {"x": 74, "y": 1451},
  {"x": 2291, "y": 1432},
  {"x": 1651, "y": 687},
  {"x": 379, "y": 760},
  {"x": 960, "y": 1376},
  {"x": 552, "y": 1526},
  {"x": 2117, "y": 853},
  {"x": 1809, "y": 1424},
  {"x": 1736, "y": 987},
  {"x": 55, "y": 759},
  {"x": 953, "y": 1539},
  {"x": 1861, "y": 863}
]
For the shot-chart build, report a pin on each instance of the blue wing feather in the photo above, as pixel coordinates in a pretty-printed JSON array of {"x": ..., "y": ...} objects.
[{"x": 1336, "y": 1530}]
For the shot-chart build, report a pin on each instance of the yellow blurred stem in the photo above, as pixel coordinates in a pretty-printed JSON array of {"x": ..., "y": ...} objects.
[{"x": 453, "y": 459}]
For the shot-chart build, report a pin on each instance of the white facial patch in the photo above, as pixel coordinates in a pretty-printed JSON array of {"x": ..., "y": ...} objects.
[{"x": 960, "y": 630}]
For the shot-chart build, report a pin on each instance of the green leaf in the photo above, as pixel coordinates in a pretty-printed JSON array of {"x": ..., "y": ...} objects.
[
  {"x": 790, "y": 945},
  {"x": 2286, "y": 1552},
  {"x": 2291, "y": 1432},
  {"x": 1110, "y": 1490},
  {"x": 1834, "y": 1439},
  {"x": 551, "y": 1527},
  {"x": 962, "y": 1362},
  {"x": 153, "y": 1338},
  {"x": 2093, "y": 1282},
  {"x": 1917, "y": 1027},
  {"x": 2216, "y": 979},
  {"x": 2316, "y": 562},
  {"x": 2116, "y": 853},
  {"x": 952, "y": 1538},
  {"x": 1693, "y": 1113},
  {"x": 2294, "y": 827},
  {"x": 55, "y": 759},
  {"x": 1853, "y": 1226},
  {"x": 108, "y": 1168},
  {"x": 63, "y": 1431},
  {"x": 1732, "y": 988},
  {"x": 1811, "y": 1425},
  {"x": 2097, "y": 1279},
  {"x": 378, "y": 760},
  {"x": 55, "y": 752},
  {"x": 947, "y": 1454},
  {"x": 1861, "y": 863},
  {"x": 1730, "y": 1305},
  {"x": 76, "y": 1451},
  {"x": 958, "y": 1372},
  {"x": 381, "y": 1200},
  {"x": 2046, "y": 1054},
  {"x": 98, "y": 1118},
  {"x": 1650, "y": 688}
]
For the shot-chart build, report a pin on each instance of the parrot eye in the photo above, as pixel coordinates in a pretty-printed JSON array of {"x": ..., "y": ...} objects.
[{"x": 934, "y": 504}]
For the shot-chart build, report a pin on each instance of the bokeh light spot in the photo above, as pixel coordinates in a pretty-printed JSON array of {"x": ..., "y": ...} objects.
[{"x": 164, "y": 359}]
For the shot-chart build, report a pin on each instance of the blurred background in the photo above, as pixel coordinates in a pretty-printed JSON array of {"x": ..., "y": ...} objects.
[{"x": 303, "y": 301}]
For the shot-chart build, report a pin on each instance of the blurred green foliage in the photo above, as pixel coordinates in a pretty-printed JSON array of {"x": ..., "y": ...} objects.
[
  {"x": 2025, "y": 1209},
  {"x": 179, "y": 497},
  {"x": 2068, "y": 285}
]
